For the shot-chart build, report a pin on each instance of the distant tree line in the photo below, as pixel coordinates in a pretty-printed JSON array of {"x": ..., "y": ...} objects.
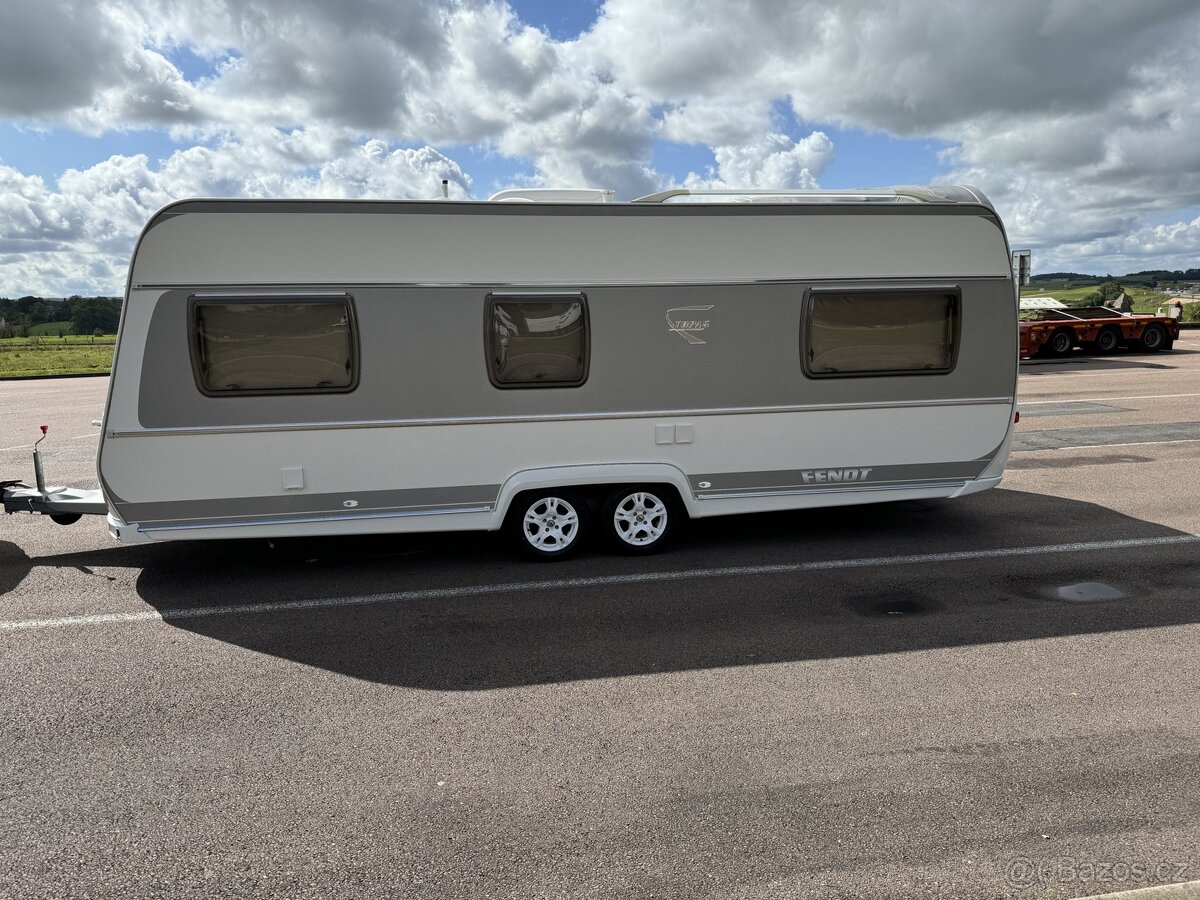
[
  {"x": 74, "y": 315},
  {"x": 1066, "y": 276},
  {"x": 1108, "y": 293},
  {"x": 1148, "y": 277},
  {"x": 1153, "y": 277}
]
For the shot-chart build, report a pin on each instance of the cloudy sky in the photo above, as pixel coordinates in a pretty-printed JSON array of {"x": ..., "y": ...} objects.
[{"x": 1079, "y": 118}]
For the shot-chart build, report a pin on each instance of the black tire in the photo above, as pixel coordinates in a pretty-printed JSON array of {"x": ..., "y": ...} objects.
[
  {"x": 548, "y": 524},
  {"x": 66, "y": 518},
  {"x": 1153, "y": 339},
  {"x": 640, "y": 519},
  {"x": 1108, "y": 341},
  {"x": 1061, "y": 343}
]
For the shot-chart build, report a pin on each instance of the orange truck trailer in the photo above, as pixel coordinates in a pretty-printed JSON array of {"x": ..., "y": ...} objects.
[{"x": 1057, "y": 332}]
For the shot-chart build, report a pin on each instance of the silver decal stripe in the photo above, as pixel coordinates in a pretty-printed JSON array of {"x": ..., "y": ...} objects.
[
  {"x": 851, "y": 478},
  {"x": 563, "y": 417},
  {"x": 187, "y": 513},
  {"x": 331, "y": 518}
]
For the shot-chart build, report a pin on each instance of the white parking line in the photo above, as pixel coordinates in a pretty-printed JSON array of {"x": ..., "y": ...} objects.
[
  {"x": 479, "y": 590},
  {"x": 1129, "y": 444},
  {"x": 1072, "y": 375},
  {"x": 1103, "y": 446},
  {"x": 50, "y": 449},
  {"x": 1106, "y": 399}
]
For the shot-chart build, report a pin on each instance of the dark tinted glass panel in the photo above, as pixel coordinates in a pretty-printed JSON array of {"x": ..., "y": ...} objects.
[
  {"x": 537, "y": 342},
  {"x": 274, "y": 346},
  {"x": 880, "y": 331}
]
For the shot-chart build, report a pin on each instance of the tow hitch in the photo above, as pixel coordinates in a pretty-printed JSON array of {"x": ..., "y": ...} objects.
[{"x": 63, "y": 505}]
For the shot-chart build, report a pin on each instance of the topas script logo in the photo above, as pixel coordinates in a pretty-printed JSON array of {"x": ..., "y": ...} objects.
[{"x": 686, "y": 326}]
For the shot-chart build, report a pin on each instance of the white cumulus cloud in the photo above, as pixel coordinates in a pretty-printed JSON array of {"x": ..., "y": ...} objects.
[
  {"x": 1079, "y": 118},
  {"x": 774, "y": 162},
  {"x": 78, "y": 238}
]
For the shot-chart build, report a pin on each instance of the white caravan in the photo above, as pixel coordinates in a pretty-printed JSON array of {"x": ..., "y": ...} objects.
[{"x": 291, "y": 368}]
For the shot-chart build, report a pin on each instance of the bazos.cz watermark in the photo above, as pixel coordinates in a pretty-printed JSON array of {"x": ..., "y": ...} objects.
[{"x": 1025, "y": 872}]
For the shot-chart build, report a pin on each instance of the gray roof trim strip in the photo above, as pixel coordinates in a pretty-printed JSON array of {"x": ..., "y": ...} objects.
[
  {"x": 824, "y": 282},
  {"x": 616, "y": 210}
]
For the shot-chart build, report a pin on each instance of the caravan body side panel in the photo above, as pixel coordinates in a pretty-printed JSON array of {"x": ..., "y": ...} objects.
[{"x": 426, "y": 442}]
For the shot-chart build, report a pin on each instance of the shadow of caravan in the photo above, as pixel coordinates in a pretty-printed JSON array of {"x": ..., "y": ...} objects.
[
  {"x": 540, "y": 635},
  {"x": 451, "y": 640},
  {"x": 324, "y": 368}
]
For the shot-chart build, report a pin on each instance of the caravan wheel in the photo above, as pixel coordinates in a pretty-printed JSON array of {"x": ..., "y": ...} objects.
[
  {"x": 640, "y": 520},
  {"x": 548, "y": 525}
]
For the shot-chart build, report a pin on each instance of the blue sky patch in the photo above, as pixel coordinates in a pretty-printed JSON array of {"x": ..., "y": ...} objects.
[
  {"x": 561, "y": 19},
  {"x": 50, "y": 153}
]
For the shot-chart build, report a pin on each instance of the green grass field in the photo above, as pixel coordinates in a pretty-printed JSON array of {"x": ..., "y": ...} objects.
[
  {"x": 72, "y": 355},
  {"x": 1144, "y": 299},
  {"x": 49, "y": 329}
]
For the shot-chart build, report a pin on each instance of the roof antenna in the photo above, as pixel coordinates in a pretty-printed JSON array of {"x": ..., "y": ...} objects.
[{"x": 445, "y": 188}]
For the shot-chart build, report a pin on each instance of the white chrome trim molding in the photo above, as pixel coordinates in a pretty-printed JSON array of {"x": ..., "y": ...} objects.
[
  {"x": 956, "y": 484},
  {"x": 307, "y": 520}
]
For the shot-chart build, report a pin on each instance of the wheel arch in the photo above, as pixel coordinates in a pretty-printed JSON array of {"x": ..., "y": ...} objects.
[{"x": 585, "y": 477}]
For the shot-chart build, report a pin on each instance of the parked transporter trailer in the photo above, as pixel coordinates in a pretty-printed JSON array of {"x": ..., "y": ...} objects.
[
  {"x": 290, "y": 368},
  {"x": 1058, "y": 331}
]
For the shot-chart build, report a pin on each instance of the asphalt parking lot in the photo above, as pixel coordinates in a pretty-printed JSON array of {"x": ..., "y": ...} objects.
[{"x": 991, "y": 697}]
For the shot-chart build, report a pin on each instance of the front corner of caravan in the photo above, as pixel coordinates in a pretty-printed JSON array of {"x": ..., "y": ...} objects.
[{"x": 125, "y": 533}]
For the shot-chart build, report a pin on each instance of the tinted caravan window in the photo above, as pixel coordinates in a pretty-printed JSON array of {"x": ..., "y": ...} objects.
[
  {"x": 274, "y": 346},
  {"x": 880, "y": 331},
  {"x": 537, "y": 341}
]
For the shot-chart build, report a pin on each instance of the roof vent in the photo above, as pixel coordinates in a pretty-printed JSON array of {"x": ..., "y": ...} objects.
[{"x": 553, "y": 195}]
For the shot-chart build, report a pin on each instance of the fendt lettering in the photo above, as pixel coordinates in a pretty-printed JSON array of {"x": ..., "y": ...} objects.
[{"x": 833, "y": 476}]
